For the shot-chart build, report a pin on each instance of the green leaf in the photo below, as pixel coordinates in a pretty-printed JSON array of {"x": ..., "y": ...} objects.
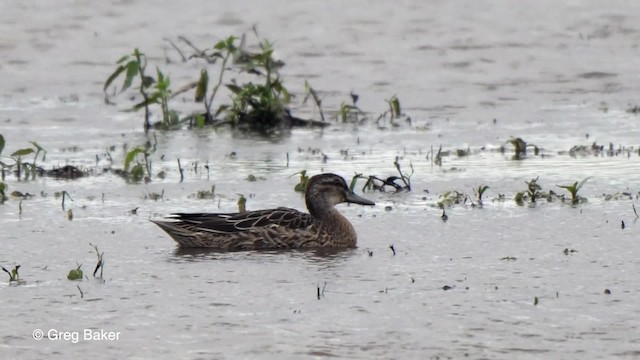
[
  {"x": 221, "y": 109},
  {"x": 220, "y": 45},
  {"x": 132, "y": 71},
  {"x": 113, "y": 76},
  {"x": 23, "y": 152},
  {"x": 137, "y": 172},
  {"x": 354, "y": 179},
  {"x": 75, "y": 274},
  {"x": 234, "y": 88},
  {"x": 395, "y": 105},
  {"x": 203, "y": 83},
  {"x": 36, "y": 145},
  {"x": 131, "y": 155},
  {"x": 122, "y": 59},
  {"x": 153, "y": 99},
  {"x": 1, "y": 143},
  {"x": 200, "y": 121}
]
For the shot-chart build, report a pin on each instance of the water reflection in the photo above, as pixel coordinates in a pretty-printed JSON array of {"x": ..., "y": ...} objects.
[{"x": 318, "y": 256}]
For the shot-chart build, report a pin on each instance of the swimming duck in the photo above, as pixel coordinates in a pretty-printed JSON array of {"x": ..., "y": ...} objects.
[{"x": 281, "y": 228}]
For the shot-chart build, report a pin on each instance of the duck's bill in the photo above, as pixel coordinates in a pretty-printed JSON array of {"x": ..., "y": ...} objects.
[{"x": 355, "y": 199}]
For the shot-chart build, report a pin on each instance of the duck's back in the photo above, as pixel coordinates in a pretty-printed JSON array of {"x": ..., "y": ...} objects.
[{"x": 280, "y": 228}]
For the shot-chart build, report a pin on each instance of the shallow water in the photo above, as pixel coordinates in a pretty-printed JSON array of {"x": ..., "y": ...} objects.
[{"x": 555, "y": 75}]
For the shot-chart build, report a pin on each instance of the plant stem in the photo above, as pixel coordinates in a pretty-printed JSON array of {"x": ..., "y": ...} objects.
[
  {"x": 214, "y": 91},
  {"x": 147, "y": 124}
]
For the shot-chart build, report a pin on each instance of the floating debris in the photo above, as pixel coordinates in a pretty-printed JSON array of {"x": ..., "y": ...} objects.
[{"x": 69, "y": 172}]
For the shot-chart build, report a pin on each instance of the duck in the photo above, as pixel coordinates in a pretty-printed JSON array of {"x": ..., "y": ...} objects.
[{"x": 272, "y": 229}]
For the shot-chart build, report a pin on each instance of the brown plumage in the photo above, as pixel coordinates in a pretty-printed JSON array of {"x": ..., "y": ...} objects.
[{"x": 281, "y": 228}]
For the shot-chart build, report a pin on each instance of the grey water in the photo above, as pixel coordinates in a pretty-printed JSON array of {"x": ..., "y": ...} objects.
[{"x": 501, "y": 281}]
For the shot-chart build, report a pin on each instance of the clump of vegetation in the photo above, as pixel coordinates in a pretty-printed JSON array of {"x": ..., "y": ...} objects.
[
  {"x": 398, "y": 183},
  {"x": 532, "y": 193},
  {"x": 154, "y": 91},
  {"x": 451, "y": 198},
  {"x": 18, "y": 165},
  {"x": 261, "y": 104},
  {"x": 141, "y": 167}
]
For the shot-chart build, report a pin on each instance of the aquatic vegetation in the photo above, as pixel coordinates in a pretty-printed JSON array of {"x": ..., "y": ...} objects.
[
  {"x": 351, "y": 113},
  {"x": 64, "y": 194},
  {"x": 134, "y": 67},
  {"x": 262, "y": 105},
  {"x": 393, "y": 112},
  {"x": 313, "y": 94},
  {"x": 573, "y": 190},
  {"x": 66, "y": 172},
  {"x": 378, "y": 184},
  {"x": 451, "y": 198},
  {"x": 321, "y": 292},
  {"x": 3, "y": 196},
  {"x": 75, "y": 274},
  {"x": 520, "y": 148},
  {"x": 532, "y": 193},
  {"x": 205, "y": 194},
  {"x": 137, "y": 172},
  {"x": 242, "y": 204},
  {"x": 480, "y": 191},
  {"x": 100, "y": 264},
  {"x": 302, "y": 185},
  {"x": 20, "y": 166},
  {"x": 154, "y": 195},
  {"x": 13, "y": 274}
]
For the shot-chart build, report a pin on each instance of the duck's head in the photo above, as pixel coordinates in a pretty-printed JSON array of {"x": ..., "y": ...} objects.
[{"x": 324, "y": 191}]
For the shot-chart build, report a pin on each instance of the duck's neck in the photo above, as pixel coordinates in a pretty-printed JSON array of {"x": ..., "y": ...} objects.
[{"x": 334, "y": 222}]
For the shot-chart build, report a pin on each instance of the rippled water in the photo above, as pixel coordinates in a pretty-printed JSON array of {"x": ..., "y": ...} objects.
[{"x": 491, "y": 282}]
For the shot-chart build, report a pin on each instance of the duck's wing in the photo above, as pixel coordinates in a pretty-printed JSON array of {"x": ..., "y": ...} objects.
[{"x": 239, "y": 222}]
